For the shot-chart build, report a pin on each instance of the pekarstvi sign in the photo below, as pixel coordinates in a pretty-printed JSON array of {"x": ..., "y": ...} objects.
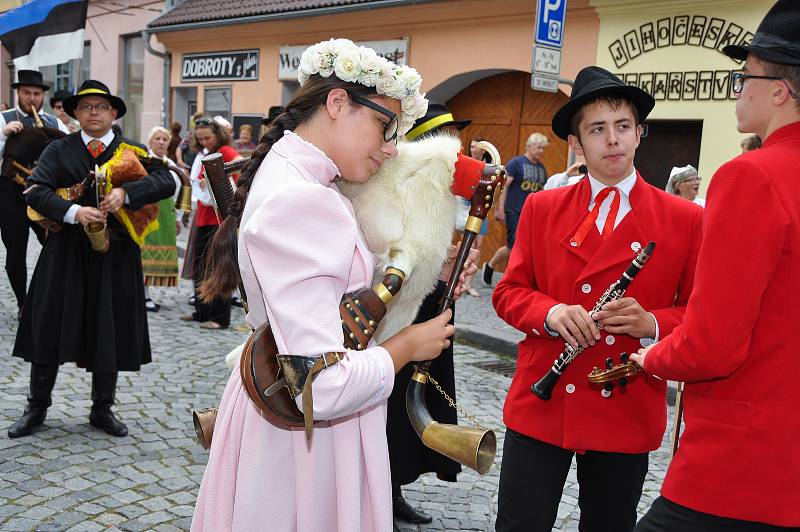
[
  {"x": 238, "y": 65},
  {"x": 395, "y": 51}
]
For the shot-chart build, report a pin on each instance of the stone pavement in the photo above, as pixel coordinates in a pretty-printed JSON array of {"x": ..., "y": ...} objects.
[{"x": 69, "y": 476}]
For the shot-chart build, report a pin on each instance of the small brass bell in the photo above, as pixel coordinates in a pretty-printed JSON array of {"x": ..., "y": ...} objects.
[{"x": 184, "y": 201}]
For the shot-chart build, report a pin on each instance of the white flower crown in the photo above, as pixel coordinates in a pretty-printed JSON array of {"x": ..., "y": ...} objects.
[{"x": 357, "y": 64}]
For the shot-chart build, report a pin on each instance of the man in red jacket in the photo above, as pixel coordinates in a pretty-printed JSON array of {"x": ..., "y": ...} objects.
[
  {"x": 737, "y": 467},
  {"x": 572, "y": 244}
]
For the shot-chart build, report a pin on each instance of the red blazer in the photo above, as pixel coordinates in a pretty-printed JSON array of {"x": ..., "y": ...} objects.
[
  {"x": 544, "y": 270},
  {"x": 739, "y": 345}
]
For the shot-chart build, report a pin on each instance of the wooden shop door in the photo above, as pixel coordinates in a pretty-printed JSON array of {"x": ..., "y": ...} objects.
[{"x": 506, "y": 111}]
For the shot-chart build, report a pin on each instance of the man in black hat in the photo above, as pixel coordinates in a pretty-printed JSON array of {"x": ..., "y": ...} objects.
[
  {"x": 572, "y": 243},
  {"x": 57, "y": 104},
  {"x": 734, "y": 469},
  {"x": 86, "y": 306},
  {"x": 408, "y": 456},
  {"x": 14, "y": 223}
]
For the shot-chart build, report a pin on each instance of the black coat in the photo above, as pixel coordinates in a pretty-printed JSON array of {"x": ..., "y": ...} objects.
[
  {"x": 408, "y": 456},
  {"x": 84, "y": 306}
]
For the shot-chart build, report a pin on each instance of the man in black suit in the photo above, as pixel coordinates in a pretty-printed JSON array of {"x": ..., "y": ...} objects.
[{"x": 86, "y": 306}]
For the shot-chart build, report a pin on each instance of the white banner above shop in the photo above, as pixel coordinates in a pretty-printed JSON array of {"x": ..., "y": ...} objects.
[{"x": 395, "y": 51}]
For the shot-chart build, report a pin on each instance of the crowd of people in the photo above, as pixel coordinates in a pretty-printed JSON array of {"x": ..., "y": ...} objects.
[{"x": 707, "y": 310}]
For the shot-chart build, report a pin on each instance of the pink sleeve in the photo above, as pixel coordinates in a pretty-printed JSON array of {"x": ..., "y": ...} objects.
[{"x": 301, "y": 242}]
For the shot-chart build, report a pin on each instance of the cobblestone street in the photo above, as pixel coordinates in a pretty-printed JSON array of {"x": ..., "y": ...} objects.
[{"x": 70, "y": 476}]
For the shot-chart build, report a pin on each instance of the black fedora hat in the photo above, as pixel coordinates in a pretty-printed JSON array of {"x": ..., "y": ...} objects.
[
  {"x": 59, "y": 96},
  {"x": 437, "y": 116},
  {"x": 30, "y": 78},
  {"x": 777, "y": 38},
  {"x": 94, "y": 88},
  {"x": 592, "y": 82}
]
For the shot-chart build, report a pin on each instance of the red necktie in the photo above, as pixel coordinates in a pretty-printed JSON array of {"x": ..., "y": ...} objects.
[
  {"x": 95, "y": 148},
  {"x": 589, "y": 221}
]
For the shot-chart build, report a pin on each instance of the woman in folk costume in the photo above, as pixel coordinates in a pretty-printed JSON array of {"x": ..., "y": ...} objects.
[
  {"x": 210, "y": 137},
  {"x": 300, "y": 250},
  {"x": 159, "y": 252}
]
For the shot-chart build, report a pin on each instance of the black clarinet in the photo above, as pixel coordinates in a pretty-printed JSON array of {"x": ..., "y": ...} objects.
[{"x": 543, "y": 388}]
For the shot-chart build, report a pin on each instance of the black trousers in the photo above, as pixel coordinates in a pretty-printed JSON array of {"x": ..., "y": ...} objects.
[
  {"x": 667, "y": 516},
  {"x": 14, "y": 224},
  {"x": 218, "y": 310},
  {"x": 532, "y": 479}
]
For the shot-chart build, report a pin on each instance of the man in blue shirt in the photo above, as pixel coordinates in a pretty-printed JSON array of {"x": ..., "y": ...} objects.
[{"x": 526, "y": 175}]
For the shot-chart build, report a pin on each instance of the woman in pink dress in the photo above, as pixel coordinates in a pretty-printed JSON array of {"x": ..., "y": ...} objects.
[{"x": 299, "y": 252}]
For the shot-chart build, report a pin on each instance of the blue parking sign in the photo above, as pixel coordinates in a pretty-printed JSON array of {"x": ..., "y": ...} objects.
[{"x": 550, "y": 15}]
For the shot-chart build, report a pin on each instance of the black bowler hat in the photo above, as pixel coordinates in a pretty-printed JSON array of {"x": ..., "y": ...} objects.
[
  {"x": 59, "y": 96},
  {"x": 592, "y": 82},
  {"x": 437, "y": 116},
  {"x": 30, "y": 78},
  {"x": 777, "y": 38},
  {"x": 94, "y": 88}
]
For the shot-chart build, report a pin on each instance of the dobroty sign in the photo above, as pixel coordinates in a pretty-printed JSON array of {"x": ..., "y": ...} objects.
[{"x": 239, "y": 65}]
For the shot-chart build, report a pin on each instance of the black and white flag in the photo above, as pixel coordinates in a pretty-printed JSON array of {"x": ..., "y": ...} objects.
[{"x": 44, "y": 32}]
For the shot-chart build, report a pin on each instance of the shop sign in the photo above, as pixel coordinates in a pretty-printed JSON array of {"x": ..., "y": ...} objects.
[
  {"x": 681, "y": 30},
  {"x": 395, "y": 51},
  {"x": 697, "y": 30},
  {"x": 237, "y": 65}
]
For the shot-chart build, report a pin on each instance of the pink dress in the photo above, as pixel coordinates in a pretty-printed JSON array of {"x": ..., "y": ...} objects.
[{"x": 299, "y": 251}]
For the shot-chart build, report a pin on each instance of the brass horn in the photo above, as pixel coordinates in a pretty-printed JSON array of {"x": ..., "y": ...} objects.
[
  {"x": 37, "y": 120},
  {"x": 204, "y": 420},
  {"x": 475, "y": 447},
  {"x": 184, "y": 202}
]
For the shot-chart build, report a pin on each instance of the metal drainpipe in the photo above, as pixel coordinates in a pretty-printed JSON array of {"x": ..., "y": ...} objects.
[{"x": 167, "y": 57}]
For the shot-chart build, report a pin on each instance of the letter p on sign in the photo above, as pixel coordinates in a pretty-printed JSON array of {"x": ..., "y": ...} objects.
[{"x": 550, "y": 15}]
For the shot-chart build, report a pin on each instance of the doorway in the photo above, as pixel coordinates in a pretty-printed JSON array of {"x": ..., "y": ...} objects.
[
  {"x": 506, "y": 111},
  {"x": 667, "y": 143}
]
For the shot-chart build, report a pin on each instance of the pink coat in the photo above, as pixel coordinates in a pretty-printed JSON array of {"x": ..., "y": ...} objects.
[{"x": 299, "y": 251}]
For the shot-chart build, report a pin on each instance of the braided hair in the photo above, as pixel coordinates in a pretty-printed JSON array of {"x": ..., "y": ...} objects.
[{"x": 222, "y": 270}]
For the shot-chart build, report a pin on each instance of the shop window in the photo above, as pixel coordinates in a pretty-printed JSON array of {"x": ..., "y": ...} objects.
[
  {"x": 217, "y": 101},
  {"x": 133, "y": 86},
  {"x": 68, "y": 76}
]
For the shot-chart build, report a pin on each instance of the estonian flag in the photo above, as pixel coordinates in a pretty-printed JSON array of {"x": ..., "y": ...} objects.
[{"x": 44, "y": 32}]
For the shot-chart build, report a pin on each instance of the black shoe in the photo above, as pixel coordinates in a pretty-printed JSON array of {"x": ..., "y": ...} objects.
[
  {"x": 150, "y": 306},
  {"x": 236, "y": 302},
  {"x": 32, "y": 418},
  {"x": 486, "y": 274},
  {"x": 192, "y": 300},
  {"x": 403, "y": 511},
  {"x": 104, "y": 419}
]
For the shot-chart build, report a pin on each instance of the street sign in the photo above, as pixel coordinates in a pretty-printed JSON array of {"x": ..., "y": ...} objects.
[
  {"x": 546, "y": 60},
  {"x": 550, "y": 15},
  {"x": 545, "y": 83}
]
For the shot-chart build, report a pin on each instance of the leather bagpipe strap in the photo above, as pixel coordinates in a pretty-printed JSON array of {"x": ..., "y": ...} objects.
[{"x": 323, "y": 362}]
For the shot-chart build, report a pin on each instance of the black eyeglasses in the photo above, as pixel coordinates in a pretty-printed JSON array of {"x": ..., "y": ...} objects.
[
  {"x": 738, "y": 79},
  {"x": 202, "y": 122},
  {"x": 391, "y": 127}
]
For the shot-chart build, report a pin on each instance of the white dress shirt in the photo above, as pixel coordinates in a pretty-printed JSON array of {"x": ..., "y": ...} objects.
[{"x": 107, "y": 139}]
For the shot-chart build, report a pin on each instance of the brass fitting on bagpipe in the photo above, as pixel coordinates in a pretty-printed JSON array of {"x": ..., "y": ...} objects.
[{"x": 474, "y": 447}]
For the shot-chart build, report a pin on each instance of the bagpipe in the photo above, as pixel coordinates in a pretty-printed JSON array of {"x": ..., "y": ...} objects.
[
  {"x": 543, "y": 388},
  {"x": 126, "y": 164},
  {"x": 22, "y": 150},
  {"x": 391, "y": 210}
]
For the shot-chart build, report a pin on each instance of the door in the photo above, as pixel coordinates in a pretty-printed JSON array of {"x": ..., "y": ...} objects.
[
  {"x": 667, "y": 143},
  {"x": 506, "y": 111}
]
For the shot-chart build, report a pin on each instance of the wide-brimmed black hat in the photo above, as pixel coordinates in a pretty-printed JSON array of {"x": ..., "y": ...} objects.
[
  {"x": 592, "y": 82},
  {"x": 777, "y": 38},
  {"x": 437, "y": 116},
  {"x": 92, "y": 87},
  {"x": 30, "y": 78},
  {"x": 59, "y": 96}
]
